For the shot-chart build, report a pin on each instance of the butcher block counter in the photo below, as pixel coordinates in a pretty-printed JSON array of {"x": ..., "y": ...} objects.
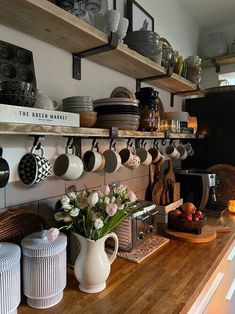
[{"x": 169, "y": 281}]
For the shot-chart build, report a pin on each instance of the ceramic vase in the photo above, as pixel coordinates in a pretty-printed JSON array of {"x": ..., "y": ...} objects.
[
  {"x": 215, "y": 46},
  {"x": 92, "y": 266}
]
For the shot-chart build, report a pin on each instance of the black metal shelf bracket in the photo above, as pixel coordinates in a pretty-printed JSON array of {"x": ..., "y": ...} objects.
[
  {"x": 217, "y": 66},
  {"x": 186, "y": 92},
  {"x": 155, "y": 77},
  {"x": 112, "y": 44}
]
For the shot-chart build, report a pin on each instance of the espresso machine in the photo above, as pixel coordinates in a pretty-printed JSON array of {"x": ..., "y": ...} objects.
[{"x": 199, "y": 187}]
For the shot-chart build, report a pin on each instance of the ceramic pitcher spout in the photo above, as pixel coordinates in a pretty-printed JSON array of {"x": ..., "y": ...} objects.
[{"x": 92, "y": 266}]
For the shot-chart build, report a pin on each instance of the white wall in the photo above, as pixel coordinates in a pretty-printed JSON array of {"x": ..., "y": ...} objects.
[
  {"x": 173, "y": 23},
  {"x": 228, "y": 34},
  {"x": 209, "y": 76},
  {"x": 53, "y": 68}
]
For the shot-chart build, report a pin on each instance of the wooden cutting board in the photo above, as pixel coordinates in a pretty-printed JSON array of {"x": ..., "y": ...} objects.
[
  {"x": 158, "y": 186},
  {"x": 208, "y": 234}
]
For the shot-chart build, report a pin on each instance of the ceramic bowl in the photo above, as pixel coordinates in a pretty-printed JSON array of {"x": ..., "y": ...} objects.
[
  {"x": 142, "y": 35},
  {"x": 146, "y": 49},
  {"x": 21, "y": 99},
  {"x": 15, "y": 87},
  {"x": 88, "y": 119}
]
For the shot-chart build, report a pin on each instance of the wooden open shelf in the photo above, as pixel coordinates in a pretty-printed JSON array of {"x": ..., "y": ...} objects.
[
  {"x": 229, "y": 59},
  {"x": 44, "y": 20},
  {"x": 32, "y": 129}
]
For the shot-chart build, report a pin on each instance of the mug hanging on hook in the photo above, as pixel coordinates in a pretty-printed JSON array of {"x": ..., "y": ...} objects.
[{"x": 4, "y": 170}]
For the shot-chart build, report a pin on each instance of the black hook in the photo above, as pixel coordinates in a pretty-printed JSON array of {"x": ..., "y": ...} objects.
[
  {"x": 112, "y": 143},
  {"x": 143, "y": 142},
  {"x": 36, "y": 142},
  {"x": 129, "y": 143},
  {"x": 94, "y": 143},
  {"x": 70, "y": 143}
]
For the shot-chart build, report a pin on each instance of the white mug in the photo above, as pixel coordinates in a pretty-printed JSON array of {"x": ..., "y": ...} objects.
[
  {"x": 156, "y": 154},
  {"x": 68, "y": 166},
  {"x": 182, "y": 151},
  {"x": 144, "y": 155},
  {"x": 172, "y": 152},
  {"x": 113, "y": 160},
  {"x": 93, "y": 161},
  {"x": 129, "y": 158}
]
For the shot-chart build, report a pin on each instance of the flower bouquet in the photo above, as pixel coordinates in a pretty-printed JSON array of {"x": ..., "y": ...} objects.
[{"x": 94, "y": 214}]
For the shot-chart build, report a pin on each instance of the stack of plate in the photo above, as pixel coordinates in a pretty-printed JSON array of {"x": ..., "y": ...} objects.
[
  {"x": 123, "y": 113},
  {"x": 78, "y": 104}
]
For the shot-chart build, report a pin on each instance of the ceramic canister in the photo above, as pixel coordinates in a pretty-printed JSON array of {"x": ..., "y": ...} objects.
[
  {"x": 44, "y": 269},
  {"x": 9, "y": 277}
]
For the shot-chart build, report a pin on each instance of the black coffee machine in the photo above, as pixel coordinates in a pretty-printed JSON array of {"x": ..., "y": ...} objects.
[{"x": 199, "y": 187}]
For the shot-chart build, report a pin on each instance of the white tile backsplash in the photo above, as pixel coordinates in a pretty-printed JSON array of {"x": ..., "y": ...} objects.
[
  {"x": 18, "y": 193},
  {"x": 2, "y": 198}
]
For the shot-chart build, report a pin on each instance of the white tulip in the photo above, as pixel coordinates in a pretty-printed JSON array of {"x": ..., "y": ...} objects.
[
  {"x": 75, "y": 212},
  {"x": 98, "y": 224},
  {"x": 93, "y": 199},
  {"x": 64, "y": 199},
  {"x": 72, "y": 196}
]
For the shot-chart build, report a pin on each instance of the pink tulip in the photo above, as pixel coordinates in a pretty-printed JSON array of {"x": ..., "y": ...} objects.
[
  {"x": 111, "y": 209},
  {"x": 132, "y": 197},
  {"x": 105, "y": 189}
]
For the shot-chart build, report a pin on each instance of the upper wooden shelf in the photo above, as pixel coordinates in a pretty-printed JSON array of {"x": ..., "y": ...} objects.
[
  {"x": 229, "y": 59},
  {"x": 44, "y": 20},
  {"x": 32, "y": 129}
]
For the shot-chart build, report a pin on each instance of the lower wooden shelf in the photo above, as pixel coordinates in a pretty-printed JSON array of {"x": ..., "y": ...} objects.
[{"x": 30, "y": 129}]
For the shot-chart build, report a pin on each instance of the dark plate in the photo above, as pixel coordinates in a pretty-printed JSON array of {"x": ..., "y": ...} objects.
[{"x": 117, "y": 110}]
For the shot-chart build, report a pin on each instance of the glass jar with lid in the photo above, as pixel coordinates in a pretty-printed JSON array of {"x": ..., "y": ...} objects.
[{"x": 193, "y": 69}]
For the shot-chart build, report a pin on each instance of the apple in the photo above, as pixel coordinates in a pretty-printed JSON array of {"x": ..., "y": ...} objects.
[
  {"x": 187, "y": 216},
  {"x": 188, "y": 207},
  {"x": 176, "y": 213},
  {"x": 197, "y": 215}
]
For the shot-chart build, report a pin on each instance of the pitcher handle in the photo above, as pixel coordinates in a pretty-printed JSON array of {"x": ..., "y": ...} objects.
[{"x": 114, "y": 236}]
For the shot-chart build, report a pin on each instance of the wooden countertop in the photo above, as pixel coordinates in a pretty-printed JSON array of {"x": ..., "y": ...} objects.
[{"x": 167, "y": 282}]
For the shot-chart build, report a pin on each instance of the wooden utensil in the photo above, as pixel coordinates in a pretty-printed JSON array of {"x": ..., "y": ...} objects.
[
  {"x": 176, "y": 191},
  {"x": 168, "y": 184},
  {"x": 158, "y": 186}
]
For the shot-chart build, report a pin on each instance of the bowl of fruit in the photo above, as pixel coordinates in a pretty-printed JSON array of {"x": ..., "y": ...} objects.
[{"x": 186, "y": 218}]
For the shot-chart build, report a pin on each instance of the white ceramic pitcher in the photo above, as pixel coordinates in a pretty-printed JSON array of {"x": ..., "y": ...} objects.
[{"x": 92, "y": 266}]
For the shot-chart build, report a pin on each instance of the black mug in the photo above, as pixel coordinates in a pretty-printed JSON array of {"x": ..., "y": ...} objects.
[{"x": 4, "y": 170}]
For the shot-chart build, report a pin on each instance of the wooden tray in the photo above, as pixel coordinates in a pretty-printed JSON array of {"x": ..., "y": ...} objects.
[{"x": 208, "y": 234}]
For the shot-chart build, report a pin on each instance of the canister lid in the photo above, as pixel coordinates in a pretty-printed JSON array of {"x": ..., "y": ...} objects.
[
  {"x": 9, "y": 255},
  {"x": 37, "y": 245}
]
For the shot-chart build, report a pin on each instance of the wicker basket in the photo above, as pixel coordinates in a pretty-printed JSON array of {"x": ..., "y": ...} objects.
[{"x": 16, "y": 224}]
